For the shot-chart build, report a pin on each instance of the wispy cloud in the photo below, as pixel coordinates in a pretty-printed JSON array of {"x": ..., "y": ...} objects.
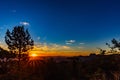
[
  {"x": 38, "y": 38},
  {"x": 81, "y": 43},
  {"x": 66, "y": 47},
  {"x": 58, "y": 47},
  {"x": 25, "y": 23},
  {"x": 70, "y": 41},
  {"x": 51, "y": 47}
]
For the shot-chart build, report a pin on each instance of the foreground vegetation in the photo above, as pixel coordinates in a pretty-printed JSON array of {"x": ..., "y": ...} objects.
[{"x": 94, "y": 67}]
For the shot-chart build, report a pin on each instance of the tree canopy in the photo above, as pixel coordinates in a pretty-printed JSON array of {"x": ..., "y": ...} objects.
[{"x": 19, "y": 40}]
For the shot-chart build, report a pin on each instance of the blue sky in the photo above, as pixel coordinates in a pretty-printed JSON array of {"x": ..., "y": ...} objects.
[{"x": 64, "y": 22}]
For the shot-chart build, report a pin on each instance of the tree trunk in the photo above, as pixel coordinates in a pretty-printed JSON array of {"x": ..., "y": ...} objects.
[{"x": 19, "y": 58}]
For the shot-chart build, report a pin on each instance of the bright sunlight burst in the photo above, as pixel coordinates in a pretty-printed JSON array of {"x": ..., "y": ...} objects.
[{"x": 33, "y": 55}]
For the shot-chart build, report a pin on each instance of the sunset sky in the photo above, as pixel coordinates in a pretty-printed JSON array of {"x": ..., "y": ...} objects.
[{"x": 77, "y": 27}]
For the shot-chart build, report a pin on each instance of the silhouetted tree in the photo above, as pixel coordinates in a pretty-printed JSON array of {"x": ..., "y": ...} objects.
[
  {"x": 102, "y": 52},
  {"x": 19, "y": 40},
  {"x": 115, "y": 46}
]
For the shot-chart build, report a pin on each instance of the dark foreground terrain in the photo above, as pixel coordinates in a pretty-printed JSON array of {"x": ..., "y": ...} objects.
[{"x": 93, "y": 67}]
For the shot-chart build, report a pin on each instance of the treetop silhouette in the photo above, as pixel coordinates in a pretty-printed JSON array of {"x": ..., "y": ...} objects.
[{"x": 19, "y": 40}]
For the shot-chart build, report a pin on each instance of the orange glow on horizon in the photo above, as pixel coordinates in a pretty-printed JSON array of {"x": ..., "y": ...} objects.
[
  {"x": 57, "y": 53},
  {"x": 38, "y": 52},
  {"x": 48, "y": 51}
]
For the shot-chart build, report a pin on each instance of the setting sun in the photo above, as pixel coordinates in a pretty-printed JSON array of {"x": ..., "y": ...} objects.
[{"x": 33, "y": 55}]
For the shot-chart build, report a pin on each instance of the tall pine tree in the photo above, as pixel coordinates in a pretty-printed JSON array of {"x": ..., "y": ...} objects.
[{"x": 19, "y": 40}]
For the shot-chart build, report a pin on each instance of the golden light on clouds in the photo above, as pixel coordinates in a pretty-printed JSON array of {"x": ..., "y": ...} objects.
[{"x": 52, "y": 49}]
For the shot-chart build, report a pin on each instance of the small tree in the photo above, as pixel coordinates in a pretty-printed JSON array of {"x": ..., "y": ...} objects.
[
  {"x": 19, "y": 40},
  {"x": 115, "y": 48},
  {"x": 102, "y": 52}
]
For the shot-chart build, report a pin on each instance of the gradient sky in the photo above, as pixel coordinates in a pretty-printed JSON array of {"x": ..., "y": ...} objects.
[{"x": 63, "y": 25}]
